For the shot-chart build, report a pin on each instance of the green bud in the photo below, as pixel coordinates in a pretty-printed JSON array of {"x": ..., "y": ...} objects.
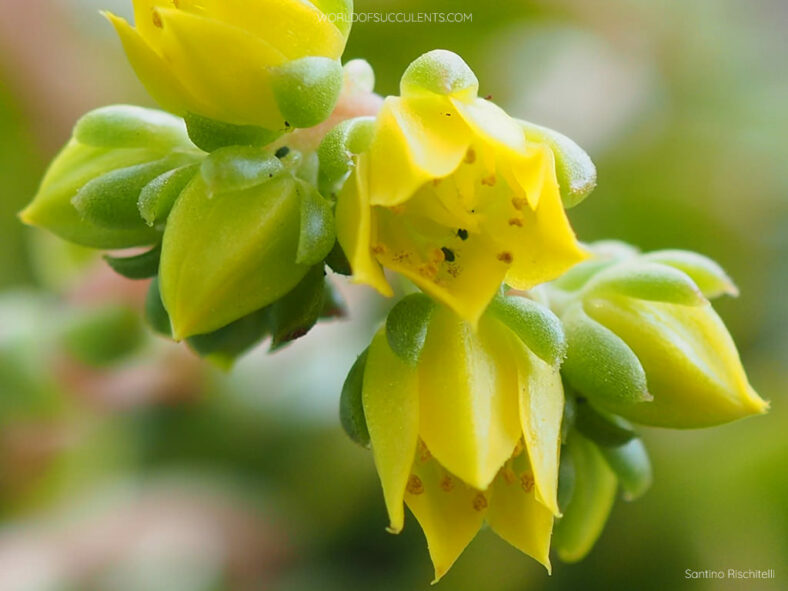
[
  {"x": 440, "y": 72},
  {"x": 155, "y": 312},
  {"x": 125, "y": 126},
  {"x": 606, "y": 253},
  {"x": 210, "y": 135},
  {"x": 601, "y": 366},
  {"x": 158, "y": 196},
  {"x": 647, "y": 281},
  {"x": 710, "y": 277},
  {"x": 338, "y": 148},
  {"x": 593, "y": 497},
  {"x": 632, "y": 467},
  {"x": 602, "y": 428},
  {"x": 575, "y": 171},
  {"x": 295, "y": 314},
  {"x": 407, "y": 325},
  {"x": 351, "y": 408},
  {"x": 534, "y": 324},
  {"x": 223, "y": 347},
  {"x": 359, "y": 75},
  {"x": 226, "y": 256},
  {"x": 102, "y": 336},
  {"x": 142, "y": 266},
  {"x": 238, "y": 168},
  {"x": 307, "y": 89},
  {"x": 317, "y": 231}
]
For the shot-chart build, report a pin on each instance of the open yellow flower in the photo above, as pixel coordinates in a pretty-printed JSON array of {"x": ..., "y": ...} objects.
[
  {"x": 452, "y": 195},
  {"x": 470, "y": 433},
  {"x": 240, "y": 61}
]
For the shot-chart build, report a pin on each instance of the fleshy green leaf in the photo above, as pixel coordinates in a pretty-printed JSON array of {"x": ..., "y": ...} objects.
[
  {"x": 710, "y": 277},
  {"x": 632, "y": 466},
  {"x": 407, "y": 325},
  {"x": 535, "y": 325},
  {"x": 647, "y": 281},
  {"x": 337, "y": 149},
  {"x": 296, "y": 313},
  {"x": 142, "y": 266},
  {"x": 210, "y": 135},
  {"x": 126, "y": 126},
  {"x": 158, "y": 196},
  {"x": 337, "y": 261},
  {"x": 603, "y": 429},
  {"x": 237, "y": 168},
  {"x": 317, "y": 233},
  {"x": 351, "y": 407},
  {"x": 224, "y": 346},
  {"x": 307, "y": 89},
  {"x": 155, "y": 312}
]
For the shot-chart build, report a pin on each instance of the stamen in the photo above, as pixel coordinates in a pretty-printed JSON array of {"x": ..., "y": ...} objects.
[
  {"x": 527, "y": 481},
  {"x": 519, "y": 203},
  {"x": 447, "y": 484},
  {"x": 470, "y": 156},
  {"x": 479, "y": 502},
  {"x": 448, "y": 254},
  {"x": 462, "y": 233},
  {"x": 489, "y": 181},
  {"x": 415, "y": 485},
  {"x": 506, "y": 257},
  {"x": 516, "y": 222},
  {"x": 157, "y": 22}
]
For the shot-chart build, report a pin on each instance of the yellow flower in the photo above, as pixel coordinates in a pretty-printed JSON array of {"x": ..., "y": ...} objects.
[
  {"x": 245, "y": 62},
  {"x": 452, "y": 195},
  {"x": 468, "y": 434}
]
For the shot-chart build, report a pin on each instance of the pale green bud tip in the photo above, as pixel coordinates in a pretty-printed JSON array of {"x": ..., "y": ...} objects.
[
  {"x": 359, "y": 75},
  {"x": 307, "y": 89},
  {"x": 441, "y": 72}
]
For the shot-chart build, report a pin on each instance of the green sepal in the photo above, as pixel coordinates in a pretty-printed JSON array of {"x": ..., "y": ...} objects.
[
  {"x": 158, "y": 196},
  {"x": 223, "y": 347},
  {"x": 142, "y": 266},
  {"x": 237, "y": 168},
  {"x": 647, "y": 281},
  {"x": 710, "y": 277},
  {"x": 535, "y": 325},
  {"x": 111, "y": 199},
  {"x": 337, "y": 149},
  {"x": 599, "y": 364},
  {"x": 317, "y": 230},
  {"x": 603, "y": 429},
  {"x": 295, "y": 314},
  {"x": 440, "y": 72},
  {"x": 592, "y": 499},
  {"x": 351, "y": 408},
  {"x": 126, "y": 126},
  {"x": 210, "y": 135},
  {"x": 307, "y": 89},
  {"x": 155, "y": 312},
  {"x": 407, "y": 326},
  {"x": 337, "y": 261},
  {"x": 566, "y": 480},
  {"x": 100, "y": 337},
  {"x": 575, "y": 171},
  {"x": 632, "y": 466}
]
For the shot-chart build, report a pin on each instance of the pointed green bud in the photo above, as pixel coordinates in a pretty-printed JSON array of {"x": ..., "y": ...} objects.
[
  {"x": 632, "y": 466},
  {"x": 111, "y": 199},
  {"x": 602, "y": 428},
  {"x": 102, "y": 336},
  {"x": 158, "y": 196},
  {"x": 407, "y": 325},
  {"x": 534, "y": 324},
  {"x": 225, "y": 346},
  {"x": 226, "y": 256},
  {"x": 317, "y": 231},
  {"x": 238, "y": 168},
  {"x": 647, "y": 281},
  {"x": 440, "y": 72},
  {"x": 693, "y": 368},
  {"x": 294, "y": 315},
  {"x": 605, "y": 254},
  {"x": 351, "y": 407},
  {"x": 575, "y": 171},
  {"x": 337, "y": 149},
  {"x": 210, "y": 135},
  {"x": 155, "y": 312},
  {"x": 593, "y": 497},
  {"x": 600, "y": 365},
  {"x": 141, "y": 266},
  {"x": 307, "y": 89},
  {"x": 125, "y": 126},
  {"x": 710, "y": 277}
]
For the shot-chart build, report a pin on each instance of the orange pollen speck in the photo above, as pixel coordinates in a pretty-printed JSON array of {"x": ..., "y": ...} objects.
[
  {"x": 378, "y": 249},
  {"x": 518, "y": 449},
  {"x": 519, "y": 203},
  {"x": 479, "y": 502},
  {"x": 436, "y": 182},
  {"x": 506, "y": 257},
  {"x": 424, "y": 453},
  {"x": 447, "y": 483},
  {"x": 397, "y": 209},
  {"x": 516, "y": 222},
  {"x": 438, "y": 255},
  {"x": 428, "y": 271},
  {"x": 470, "y": 156},
  {"x": 527, "y": 480},
  {"x": 508, "y": 475},
  {"x": 489, "y": 181},
  {"x": 157, "y": 20},
  {"x": 415, "y": 485}
]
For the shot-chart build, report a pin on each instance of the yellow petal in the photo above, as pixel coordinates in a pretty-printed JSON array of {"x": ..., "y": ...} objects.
[
  {"x": 391, "y": 407},
  {"x": 296, "y": 28},
  {"x": 354, "y": 230},
  {"x": 416, "y": 140},
  {"x": 516, "y": 515},
  {"x": 541, "y": 412},
  {"x": 468, "y": 392},
  {"x": 492, "y": 125},
  {"x": 223, "y": 64},
  {"x": 153, "y": 72},
  {"x": 449, "y": 512}
]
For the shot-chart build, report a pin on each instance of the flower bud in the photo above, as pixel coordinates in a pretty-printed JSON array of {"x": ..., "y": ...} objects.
[
  {"x": 91, "y": 191},
  {"x": 632, "y": 467},
  {"x": 269, "y": 64}
]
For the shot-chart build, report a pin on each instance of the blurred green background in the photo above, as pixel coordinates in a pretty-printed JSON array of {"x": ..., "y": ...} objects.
[{"x": 144, "y": 470}]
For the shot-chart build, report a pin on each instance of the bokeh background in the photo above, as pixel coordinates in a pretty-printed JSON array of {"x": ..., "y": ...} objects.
[{"x": 128, "y": 465}]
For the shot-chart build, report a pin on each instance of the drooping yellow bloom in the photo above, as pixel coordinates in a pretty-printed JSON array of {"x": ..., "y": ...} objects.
[
  {"x": 236, "y": 60},
  {"x": 470, "y": 434},
  {"x": 452, "y": 195}
]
